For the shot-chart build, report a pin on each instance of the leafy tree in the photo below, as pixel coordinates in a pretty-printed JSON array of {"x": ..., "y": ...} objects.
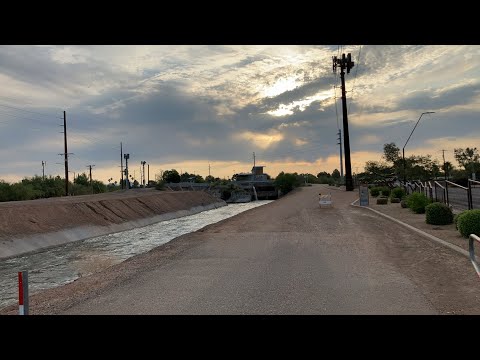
[
  {"x": 83, "y": 179},
  {"x": 210, "y": 178},
  {"x": 171, "y": 176},
  {"x": 468, "y": 158},
  {"x": 391, "y": 152},
  {"x": 336, "y": 174},
  {"x": 323, "y": 173},
  {"x": 287, "y": 182}
]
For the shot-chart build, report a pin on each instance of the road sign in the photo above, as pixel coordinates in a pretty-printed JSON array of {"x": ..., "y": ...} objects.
[{"x": 363, "y": 194}]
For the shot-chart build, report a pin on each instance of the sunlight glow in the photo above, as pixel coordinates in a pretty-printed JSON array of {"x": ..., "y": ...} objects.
[{"x": 280, "y": 87}]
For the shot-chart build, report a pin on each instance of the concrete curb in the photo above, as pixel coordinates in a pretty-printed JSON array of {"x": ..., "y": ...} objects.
[{"x": 418, "y": 231}]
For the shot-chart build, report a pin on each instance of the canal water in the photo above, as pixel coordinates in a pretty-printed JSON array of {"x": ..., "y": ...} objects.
[{"x": 65, "y": 263}]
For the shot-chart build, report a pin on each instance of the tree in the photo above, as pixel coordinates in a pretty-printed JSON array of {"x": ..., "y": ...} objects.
[
  {"x": 323, "y": 173},
  {"x": 171, "y": 176},
  {"x": 210, "y": 178},
  {"x": 468, "y": 158},
  {"x": 336, "y": 174},
  {"x": 287, "y": 182},
  {"x": 83, "y": 179},
  {"x": 391, "y": 152}
]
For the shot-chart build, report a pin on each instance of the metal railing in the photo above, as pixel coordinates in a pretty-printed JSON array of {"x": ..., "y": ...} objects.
[
  {"x": 456, "y": 196},
  {"x": 473, "y": 184},
  {"x": 443, "y": 192},
  {"x": 471, "y": 249},
  {"x": 455, "y": 199}
]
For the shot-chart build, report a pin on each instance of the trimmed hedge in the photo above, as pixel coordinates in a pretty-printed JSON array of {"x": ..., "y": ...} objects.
[
  {"x": 417, "y": 202},
  {"x": 385, "y": 191},
  {"x": 455, "y": 218},
  {"x": 438, "y": 214},
  {"x": 375, "y": 191},
  {"x": 394, "y": 200},
  {"x": 382, "y": 201},
  {"x": 398, "y": 192},
  {"x": 469, "y": 223},
  {"x": 403, "y": 203}
]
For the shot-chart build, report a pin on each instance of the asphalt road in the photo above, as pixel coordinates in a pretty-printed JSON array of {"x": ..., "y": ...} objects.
[{"x": 289, "y": 257}]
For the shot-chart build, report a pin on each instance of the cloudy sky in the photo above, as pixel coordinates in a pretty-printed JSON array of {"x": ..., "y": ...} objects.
[{"x": 186, "y": 107}]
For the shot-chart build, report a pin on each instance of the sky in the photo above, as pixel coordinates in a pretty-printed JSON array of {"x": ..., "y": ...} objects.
[{"x": 199, "y": 107}]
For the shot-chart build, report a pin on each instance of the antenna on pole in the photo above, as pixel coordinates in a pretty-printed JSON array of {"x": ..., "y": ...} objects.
[{"x": 345, "y": 62}]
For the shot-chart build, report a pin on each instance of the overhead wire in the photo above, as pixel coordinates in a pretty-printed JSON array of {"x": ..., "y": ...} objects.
[
  {"x": 354, "y": 79},
  {"x": 29, "y": 111}
]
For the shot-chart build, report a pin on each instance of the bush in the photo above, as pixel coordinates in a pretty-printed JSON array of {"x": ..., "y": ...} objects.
[
  {"x": 398, "y": 192},
  {"x": 455, "y": 219},
  {"x": 403, "y": 204},
  {"x": 394, "y": 200},
  {"x": 385, "y": 191},
  {"x": 438, "y": 214},
  {"x": 417, "y": 202},
  {"x": 469, "y": 222},
  {"x": 160, "y": 185},
  {"x": 375, "y": 191},
  {"x": 382, "y": 201}
]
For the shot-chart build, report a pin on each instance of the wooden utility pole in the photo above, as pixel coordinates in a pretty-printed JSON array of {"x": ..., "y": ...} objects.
[
  {"x": 341, "y": 156},
  {"x": 121, "y": 162},
  {"x": 127, "y": 182},
  {"x": 43, "y": 170},
  {"x": 90, "y": 166},
  {"x": 345, "y": 62},
  {"x": 444, "y": 165},
  {"x": 66, "y": 152},
  {"x": 148, "y": 174}
]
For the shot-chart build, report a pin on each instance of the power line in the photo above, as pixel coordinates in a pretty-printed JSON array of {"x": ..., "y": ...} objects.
[
  {"x": 23, "y": 117},
  {"x": 354, "y": 78},
  {"x": 33, "y": 112}
]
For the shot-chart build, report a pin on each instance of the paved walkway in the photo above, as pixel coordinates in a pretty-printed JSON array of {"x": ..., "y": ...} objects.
[{"x": 289, "y": 257}]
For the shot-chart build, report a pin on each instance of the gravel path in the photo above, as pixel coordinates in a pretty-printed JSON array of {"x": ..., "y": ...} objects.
[{"x": 287, "y": 257}]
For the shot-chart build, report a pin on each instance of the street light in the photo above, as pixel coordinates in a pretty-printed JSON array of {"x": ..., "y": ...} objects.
[{"x": 403, "y": 150}]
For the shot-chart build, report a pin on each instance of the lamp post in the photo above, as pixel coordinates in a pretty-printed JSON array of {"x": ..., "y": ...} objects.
[{"x": 403, "y": 150}]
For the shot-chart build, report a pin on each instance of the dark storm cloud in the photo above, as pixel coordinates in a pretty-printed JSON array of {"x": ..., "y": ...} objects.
[
  {"x": 299, "y": 93},
  {"x": 35, "y": 66},
  {"x": 430, "y": 100}
]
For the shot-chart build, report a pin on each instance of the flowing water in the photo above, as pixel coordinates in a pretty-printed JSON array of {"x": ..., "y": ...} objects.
[{"x": 65, "y": 263}]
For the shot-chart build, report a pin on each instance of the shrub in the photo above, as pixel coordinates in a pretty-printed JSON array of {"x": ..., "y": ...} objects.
[
  {"x": 398, "y": 192},
  {"x": 375, "y": 191},
  {"x": 160, "y": 185},
  {"x": 382, "y": 201},
  {"x": 417, "y": 202},
  {"x": 394, "y": 200},
  {"x": 455, "y": 219},
  {"x": 385, "y": 191},
  {"x": 403, "y": 204},
  {"x": 438, "y": 214},
  {"x": 469, "y": 223}
]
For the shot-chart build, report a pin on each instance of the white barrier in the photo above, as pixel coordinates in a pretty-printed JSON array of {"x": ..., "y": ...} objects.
[{"x": 325, "y": 200}]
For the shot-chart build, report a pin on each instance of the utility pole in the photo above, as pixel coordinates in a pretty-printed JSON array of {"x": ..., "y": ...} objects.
[
  {"x": 345, "y": 63},
  {"x": 341, "y": 156},
  {"x": 127, "y": 182},
  {"x": 444, "y": 166},
  {"x": 148, "y": 174},
  {"x": 65, "y": 149},
  {"x": 43, "y": 170},
  {"x": 143, "y": 164},
  {"x": 90, "y": 166},
  {"x": 254, "y": 159},
  {"x": 209, "y": 170},
  {"x": 121, "y": 161}
]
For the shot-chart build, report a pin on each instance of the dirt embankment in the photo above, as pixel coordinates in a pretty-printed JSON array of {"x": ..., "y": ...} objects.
[{"x": 30, "y": 225}]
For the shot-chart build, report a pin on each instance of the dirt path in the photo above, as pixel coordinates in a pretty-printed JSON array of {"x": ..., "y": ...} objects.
[{"x": 287, "y": 257}]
